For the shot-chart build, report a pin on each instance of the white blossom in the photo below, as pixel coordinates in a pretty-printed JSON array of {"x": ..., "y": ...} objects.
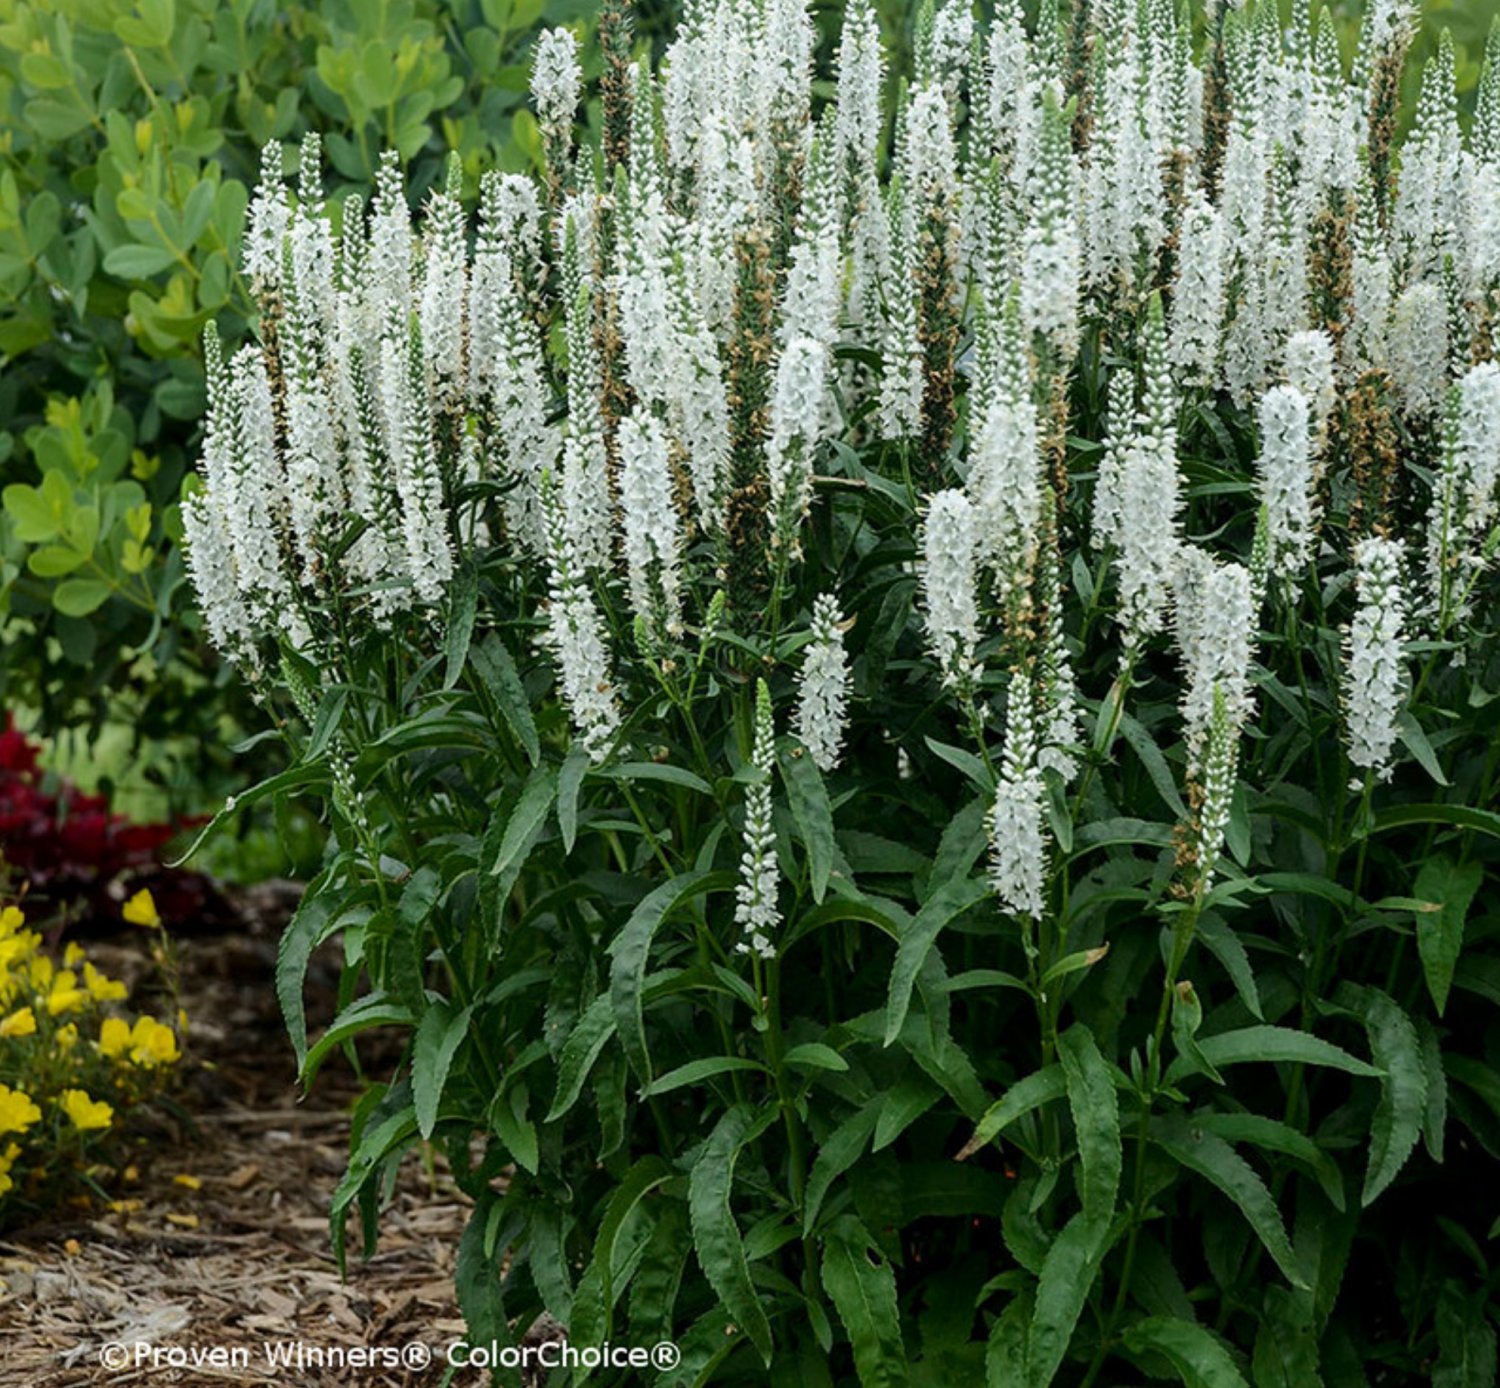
[
  {"x": 1374, "y": 676},
  {"x": 1465, "y": 503},
  {"x": 576, "y": 636},
  {"x": 556, "y": 79},
  {"x": 1018, "y": 844},
  {"x": 1286, "y": 479},
  {"x": 796, "y": 414},
  {"x": 1198, "y": 300},
  {"x": 823, "y": 686},
  {"x": 756, "y": 911},
  {"x": 1216, "y": 627},
  {"x": 651, "y": 527},
  {"x": 949, "y": 546},
  {"x": 1417, "y": 347},
  {"x": 1310, "y": 367}
]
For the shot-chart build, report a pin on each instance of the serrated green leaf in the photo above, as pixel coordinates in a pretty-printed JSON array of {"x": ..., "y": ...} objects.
[
  {"x": 950, "y": 900},
  {"x": 840, "y": 1150},
  {"x": 695, "y": 1071},
  {"x": 1440, "y": 933},
  {"x": 1275, "y": 1136},
  {"x": 588, "y": 1037},
  {"x": 1068, "y": 1274},
  {"x": 1198, "y": 1355},
  {"x": 1096, "y": 1118},
  {"x": 1042, "y": 1087},
  {"x": 312, "y": 922},
  {"x": 1403, "y": 1087},
  {"x": 569, "y": 782},
  {"x": 439, "y": 1035},
  {"x": 630, "y": 950},
  {"x": 1271, "y": 1044},
  {"x": 492, "y": 660},
  {"x": 814, "y": 1055},
  {"x": 813, "y": 812},
  {"x": 862, "y": 1286},
  {"x": 1217, "y": 1162},
  {"x": 526, "y": 818},
  {"x": 364, "y": 1014},
  {"x": 716, "y": 1237}
]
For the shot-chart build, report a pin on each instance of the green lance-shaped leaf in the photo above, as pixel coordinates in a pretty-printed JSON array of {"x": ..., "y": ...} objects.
[
  {"x": 631, "y": 948},
  {"x": 463, "y": 604},
  {"x": 526, "y": 819},
  {"x": 1275, "y": 1136},
  {"x": 569, "y": 783},
  {"x": 813, "y": 812},
  {"x": 1447, "y": 892},
  {"x": 364, "y": 1014},
  {"x": 492, "y": 661},
  {"x": 1005, "y": 1355},
  {"x": 1218, "y": 1163},
  {"x": 1068, "y": 1274},
  {"x": 1096, "y": 1118},
  {"x": 476, "y": 1284},
  {"x": 439, "y": 1035},
  {"x": 716, "y": 1237},
  {"x": 859, "y": 1281},
  {"x": 374, "y": 1145},
  {"x": 1270, "y": 1043},
  {"x": 579, "y": 1052},
  {"x": 1199, "y": 1356},
  {"x": 952, "y": 899},
  {"x": 1286, "y": 1342},
  {"x": 1403, "y": 1088},
  {"x": 1041, "y": 1087},
  {"x": 844, "y": 1146},
  {"x": 643, "y": 1178},
  {"x": 316, "y": 918}
]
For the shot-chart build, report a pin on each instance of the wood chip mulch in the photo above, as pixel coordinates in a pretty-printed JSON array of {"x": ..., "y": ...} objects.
[{"x": 241, "y": 1258}]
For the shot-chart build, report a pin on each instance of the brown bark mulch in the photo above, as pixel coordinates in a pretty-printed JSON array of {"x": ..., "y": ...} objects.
[{"x": 241, "y": 1261}]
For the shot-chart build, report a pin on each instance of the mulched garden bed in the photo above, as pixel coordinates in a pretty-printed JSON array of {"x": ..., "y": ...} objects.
[{"x": 219, "y": 1231}]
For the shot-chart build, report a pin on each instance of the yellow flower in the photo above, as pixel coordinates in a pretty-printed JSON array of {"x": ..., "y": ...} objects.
[
  {"x": 85, "y": 1112},
  {"x": 114, "y": 1036},
  {"x": 41, "y": 969},
  {"x": 7, "y": 1160},
  {"x": 17, "y": 1112},
  {"x": 101, "y": 987},
  {"x": 66, "y": 1037},
  {"x": 14, "y": 949},
  {"x": 12, "y": 918},
  {"x": 152, "y": 1043},
  {"x": 141, "y": 910},
  {"x": 73, "y": 955},
  {"x": 22, "y": 1023},
  {"x": 65, "y": 994}
]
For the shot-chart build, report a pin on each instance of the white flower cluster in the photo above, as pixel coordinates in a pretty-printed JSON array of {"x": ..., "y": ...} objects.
[
  {"x": 823, "y": 686},
  {"x": 756, "y": 910},
  {"x": 626, "y": 362},
  {"x": 1466, "y": 499},
  {"x": 1374, "y": 677},
  {"x": 1287, "y": 482},
  {"x": 1018, "y": 844},
  {"x": 950, "y": 543}
]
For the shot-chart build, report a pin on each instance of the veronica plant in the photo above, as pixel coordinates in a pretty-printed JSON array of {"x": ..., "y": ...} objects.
[{"x": 893, "y": 742}]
